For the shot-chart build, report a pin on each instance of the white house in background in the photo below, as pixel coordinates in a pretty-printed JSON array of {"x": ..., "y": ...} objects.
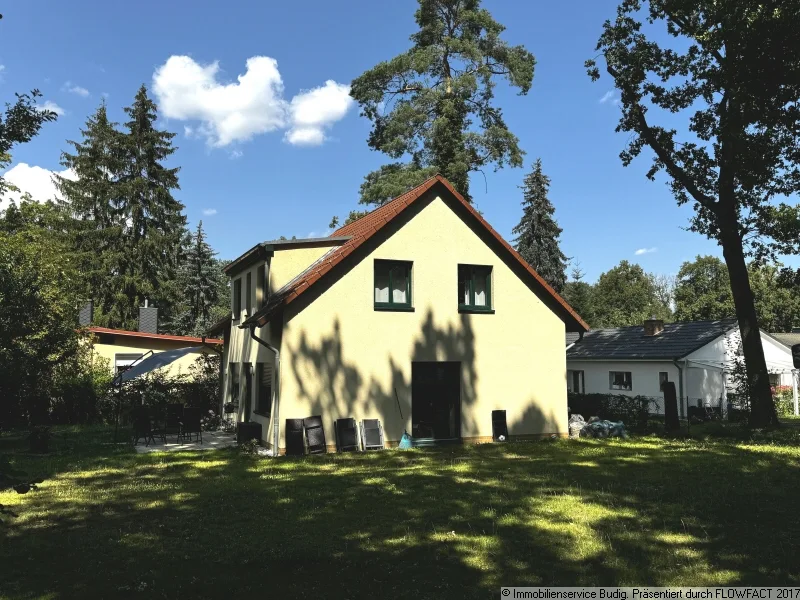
[{"x": 696, "y": 355}]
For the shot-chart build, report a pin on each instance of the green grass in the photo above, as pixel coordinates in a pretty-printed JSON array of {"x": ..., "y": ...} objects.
[{"x": 450, "y": 523}]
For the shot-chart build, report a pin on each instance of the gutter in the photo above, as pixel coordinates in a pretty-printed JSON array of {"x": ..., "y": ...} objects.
[{"x": 275, "y": 388}]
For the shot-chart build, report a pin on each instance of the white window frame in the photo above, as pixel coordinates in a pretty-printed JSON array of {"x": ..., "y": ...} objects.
[{"x": 613, "y": 386}]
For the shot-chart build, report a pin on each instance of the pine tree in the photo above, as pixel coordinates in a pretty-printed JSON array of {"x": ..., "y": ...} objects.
[
  {"x": 94, "y": 200},
  {"x": 154, "y": 224},
  {"x": 537, "y": 232},
  {"x": 433, "y": 103},
  {"x": 199, "y": 279},
  {"x": 578, "y": 295}
]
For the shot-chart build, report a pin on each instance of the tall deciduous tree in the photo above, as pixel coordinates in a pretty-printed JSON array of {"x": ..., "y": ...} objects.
[
  {"x": 19, "y": 124},
  {"x": 538, "y": 232},
  {"x": 433, "y": 103},
  {"x": 154, "y": 223},
  {"x": 94, "y": 198},
  {"x": 734, "y": 74},
  {"x": 626, "y": 295},
  {"x": 703, "y": 290}
]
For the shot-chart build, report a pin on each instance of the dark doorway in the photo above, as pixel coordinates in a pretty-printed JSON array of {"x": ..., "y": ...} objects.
[{"x": 436, "y": 400}]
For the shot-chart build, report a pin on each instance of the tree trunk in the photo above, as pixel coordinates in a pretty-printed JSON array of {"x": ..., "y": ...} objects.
[{"x": 762, "y": 407}]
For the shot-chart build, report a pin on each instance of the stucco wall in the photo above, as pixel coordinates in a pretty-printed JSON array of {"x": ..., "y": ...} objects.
[
  {"x": 644, "y": 377},
  {"x": 285, "y": 264},
  {"x": 341, "y": 358}
]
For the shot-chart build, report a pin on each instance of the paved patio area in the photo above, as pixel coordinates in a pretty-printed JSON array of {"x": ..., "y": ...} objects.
[{"x": 212, "y": 440}]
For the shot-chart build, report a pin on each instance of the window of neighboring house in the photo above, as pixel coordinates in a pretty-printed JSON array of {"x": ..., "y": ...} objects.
[
  {"x": 392, "y": 285},
  {"x": 237, "y": 299},
  {"x": 233, "y": 378},
  {"x": 123, "y": 362},
  {"x": 663, "y": 377},
  {"x": 264, "y": 387},
  {"x": 474, "y": 288},
  {"x": 248, "y": 299},
  {"x": 575, "y": 382},
  {"x": 620, "y": 380}
]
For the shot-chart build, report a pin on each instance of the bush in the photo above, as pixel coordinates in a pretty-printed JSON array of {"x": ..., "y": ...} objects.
[
  {"x": 784, "y": 400},
  {"x": 634, "y": 411}
]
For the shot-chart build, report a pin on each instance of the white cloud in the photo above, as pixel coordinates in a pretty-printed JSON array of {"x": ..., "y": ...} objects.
[
  {"x": 253, "y": 105},
  {"x": 315, "y": 110},
  {"x": 76, "y": 89},
  {"x": 50, "y": 105},
  {"x": 36, "y": 181},
  {"x": 188, "y": 131},
  {"x": 209, "y": 211},
  {"x": 641, "y": 251},
  {"x": 235, "y": 153}
]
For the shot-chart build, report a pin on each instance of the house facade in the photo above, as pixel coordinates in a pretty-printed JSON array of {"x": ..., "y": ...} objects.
[
  {"x": 697, "y": 356},
  {"x": 419, "y": 314}
]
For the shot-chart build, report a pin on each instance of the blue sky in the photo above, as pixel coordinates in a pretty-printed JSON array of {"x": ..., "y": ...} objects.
[{"x": 262, "y": 180}]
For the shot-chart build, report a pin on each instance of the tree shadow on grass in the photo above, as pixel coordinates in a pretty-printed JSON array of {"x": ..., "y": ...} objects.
[{"x": 456, "y": 522}]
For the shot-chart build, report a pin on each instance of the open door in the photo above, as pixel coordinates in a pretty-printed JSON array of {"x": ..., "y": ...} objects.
[{"x": 436, "y": 401}]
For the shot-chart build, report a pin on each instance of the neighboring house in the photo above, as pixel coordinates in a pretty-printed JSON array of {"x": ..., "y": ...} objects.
[
  {"x": 123, "y": 348},
  {"x": 696, "y": 355},
  {"x": 419, "y": 303}
]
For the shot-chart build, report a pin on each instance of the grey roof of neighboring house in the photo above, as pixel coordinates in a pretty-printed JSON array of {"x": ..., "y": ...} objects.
[
  {"x": 787, "y": 339},
  {"x": 676, "y": 341},
  {"x": 571, "y": 337}
]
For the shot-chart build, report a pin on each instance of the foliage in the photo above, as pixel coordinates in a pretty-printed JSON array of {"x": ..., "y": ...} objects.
[
  {"x": 38, "y": 306},
  {"x": 626, "y": 295},
  {"x": 198, "y": 387},
  {"x": 634, "y": 411},
  {"x": 784, "y": 400},
  {"x": 79, "y": 392},
  {"x": 538, "y": 232},
  {"x": 128, "y": 225},
  {"x": 203, "y": 287},
  {"x": 735, "y": 79},
  {"x": 703, "y": 292},
  {"x": 579, "y": 295},
  {"x": 422, "y": 103},
  {"x": 20, "y": 124}
]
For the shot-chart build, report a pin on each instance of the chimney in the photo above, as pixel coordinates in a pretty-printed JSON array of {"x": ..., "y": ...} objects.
[
  {"x": 148, "y": 318},
  {"x": 653, "y": 327},
  {"x": 86, "y": 314}
]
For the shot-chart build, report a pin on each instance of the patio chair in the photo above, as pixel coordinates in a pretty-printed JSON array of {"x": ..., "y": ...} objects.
[
  {"x": 295, "y": 443},
  {"x": 346, "y": 433},
  {"x": 190, "y": 425},
  {"x": 315, "y": 434},
  {"x": 142, "y": 426},
  {"x": 371, "y": 434},
  {"x": 172, "y": 423}
]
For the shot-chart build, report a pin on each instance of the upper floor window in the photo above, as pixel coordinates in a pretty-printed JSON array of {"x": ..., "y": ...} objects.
[
  {"x": 392, "y": 285},
  {"x": 475, "y": 288},
  {"x": 620, "y": 380},
  {"x": 237, "y": 299},
  {"x": 248, "y": 299}
]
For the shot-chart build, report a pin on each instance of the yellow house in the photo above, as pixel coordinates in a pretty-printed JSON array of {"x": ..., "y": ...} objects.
[
  {"x": 123, "y": 348},
  {"x": 418, "y": 308}
]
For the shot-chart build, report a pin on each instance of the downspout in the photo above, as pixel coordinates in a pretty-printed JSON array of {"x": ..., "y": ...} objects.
[{"x": 275, "y": 388}]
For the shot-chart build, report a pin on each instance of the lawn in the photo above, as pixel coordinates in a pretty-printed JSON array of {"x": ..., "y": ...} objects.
[{"x": 448, "y": 523}]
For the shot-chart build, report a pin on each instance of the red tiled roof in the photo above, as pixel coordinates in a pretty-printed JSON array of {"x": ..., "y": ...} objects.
[
  {"x": 364, "y": 228},
  {"x": 153, "y": 336}
]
